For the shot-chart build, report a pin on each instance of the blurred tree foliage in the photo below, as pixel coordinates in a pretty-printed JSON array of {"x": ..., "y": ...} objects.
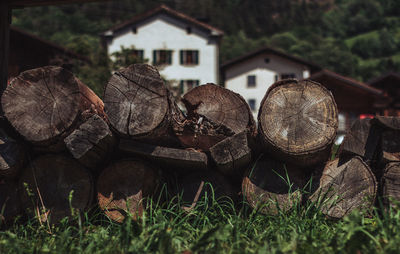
[{"x": 359, "y": 38}]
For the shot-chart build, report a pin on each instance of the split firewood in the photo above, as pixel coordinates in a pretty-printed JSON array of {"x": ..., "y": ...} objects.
[
  {"x": 12, "y": 156},
  {"x": 272, "y": 186},
  {"x": 232, "y": 155},
  {"x": 45, "y": 104},
  {"x": 124, "y": 186},
  {"x": 171, "y": 158},
  {"x": 54, "y": 187},
  {"x": 297, "y": 122},
  {"x": 139, "y": 106},
  {"x": 91, "y": 143},
  {"x": 362, "y": 140},
  {"x": 345, "y": 186},
  {"x": 213, "y": 114}
]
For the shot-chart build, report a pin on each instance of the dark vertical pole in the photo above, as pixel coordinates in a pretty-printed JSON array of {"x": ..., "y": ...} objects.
[{"x": 5, "y": 20}]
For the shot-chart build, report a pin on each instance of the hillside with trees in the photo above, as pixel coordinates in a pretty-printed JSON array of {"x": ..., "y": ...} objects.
[{"x": 357, "y": 38}]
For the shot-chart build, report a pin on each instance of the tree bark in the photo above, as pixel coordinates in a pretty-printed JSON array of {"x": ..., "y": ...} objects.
[
  {"x": 171, "y": 158},
  {"x": 91, "y": 143},
  {"x": 297, "y": 122},
  {"x": 45, "y": 104},
  {"x": 139, "y": 105},
  {"x": 124, "y": 186},
  {"x": 232, "y": 155},
  {"x": 362, "y": 140},
  {"x": 344, "y": 186},
  {"x": 213, "y": 113},
  {"x": 12, "y": 156},
  {"x": 272, "y": 186},
  {"x": 56, "y": 186}
]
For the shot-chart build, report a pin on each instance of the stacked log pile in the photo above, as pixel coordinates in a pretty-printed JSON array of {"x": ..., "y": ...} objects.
[{"x": 62, "y": 150}]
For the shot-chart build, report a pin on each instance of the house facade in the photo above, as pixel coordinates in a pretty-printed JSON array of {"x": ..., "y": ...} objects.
[
  {"x": 252, "y": 74},
  {"x": 184, "y": 49}
]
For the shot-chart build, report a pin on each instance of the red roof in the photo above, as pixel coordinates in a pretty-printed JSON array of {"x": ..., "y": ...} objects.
[
  {"x": 269, "y": 50},
  {"x": 165, "y": 9},
  {"x": 347, "y": 80}
]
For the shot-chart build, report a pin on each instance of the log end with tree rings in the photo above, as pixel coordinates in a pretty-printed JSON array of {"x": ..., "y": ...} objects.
[
  {"x": 124, "y": 186},
  {"x": 42, "y": 103},
  {"x": 136, "y": 101},
  {"x": 297, "y": 121},
  {"x": 272, "y": 186},
  {"x": 55, "y": 186},
  {"x": 214, "y": 113},
  {"x": 344, "y": 186}
]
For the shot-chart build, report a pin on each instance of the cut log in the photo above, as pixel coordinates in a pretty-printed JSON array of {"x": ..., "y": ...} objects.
[
  {"x": 214, "y": 113},
  {"x": 389, "y": 147},
  {"x": 345, "y": 186},
  {"x": 139, "y": 105},
  {"x": 297, "y": 122},
  {"x": 232, "y": 155},
  {"x": 10, "y": 206},
  {"x": 199, "y": 188},
  {"x": 12, "y": 156},
  {"x": 362, "y": 140},
  {"x": 91, "y": 143},
  {"x": 391, "y": 184},
  {"x": 44, "y": 104},
  {"x": 388, "y": 122},
  {"x": 123, "y": 187},
  {"x": 272, "y": 186},
  {"x": 172, "y": 158},
  {"x": 54, "y": 186}
]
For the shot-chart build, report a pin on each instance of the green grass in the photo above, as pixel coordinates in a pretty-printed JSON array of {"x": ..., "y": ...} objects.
[{"x": 211, "y": 228}]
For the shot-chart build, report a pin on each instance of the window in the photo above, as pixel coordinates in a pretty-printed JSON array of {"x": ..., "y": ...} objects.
[
  {"x": 252, "y": 104},
  {"x": 186, "y": 85},
  {"x": 251, "y": 80},
  {"x": 288, "y": 75},
  {"x": 188, "y": 30},
  {"x": 266, "y": 60},
  {"x": 189, "y": 57},
  {"x": 138, "y": 53},
  {"x": 134, "y": 29},
  {"x": 162, "y": 57}
]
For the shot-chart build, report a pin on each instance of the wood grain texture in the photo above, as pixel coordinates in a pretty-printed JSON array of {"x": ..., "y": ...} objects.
[
  {"x": 272, "y": 186},
  {"x": 53, "y": 184},
  {"x": 122, "y": 188},
  {"x": 12, "y": 156},
  {"x": 390, "y": 146},
  {"x": 389, "y": 122},
  {"x": 43, "y": 104},
  {"x": 92, "y": 143},
  {"x": 214, "y": 113},
  {"x": 362, "y": 139},
  {"x": 10, "y": 205},
  {"x": 232, "y": 155},
  {"x": 345, "y": 186},
  {"x": 298, "y": 121},
  {"x": 390, "y": 183},
  {"x": 165, "y": 157},
  {"x": 136, "y": 101}
]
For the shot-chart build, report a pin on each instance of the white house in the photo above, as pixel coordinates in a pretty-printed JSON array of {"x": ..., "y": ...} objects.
[
  {"x": 252, "y": 74},
  {"x": 184, "y": 49}
]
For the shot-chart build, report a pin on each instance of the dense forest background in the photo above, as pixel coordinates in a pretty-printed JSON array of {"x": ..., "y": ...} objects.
[{"x": 357, "y": 38}]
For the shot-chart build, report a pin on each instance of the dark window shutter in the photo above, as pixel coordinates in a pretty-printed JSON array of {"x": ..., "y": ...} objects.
[
  {"x": 196, "y": 57},
  {"x": 154, "y": 57},
  {"x": 181, "y": 56},
  {"x": 181, "y": 87},
  {"x": 169, "y": 56},
  {"x": 197, "y": 82}
]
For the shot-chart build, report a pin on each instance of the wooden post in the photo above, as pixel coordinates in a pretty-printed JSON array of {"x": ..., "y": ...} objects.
[{"x": 5, "y": 20}]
